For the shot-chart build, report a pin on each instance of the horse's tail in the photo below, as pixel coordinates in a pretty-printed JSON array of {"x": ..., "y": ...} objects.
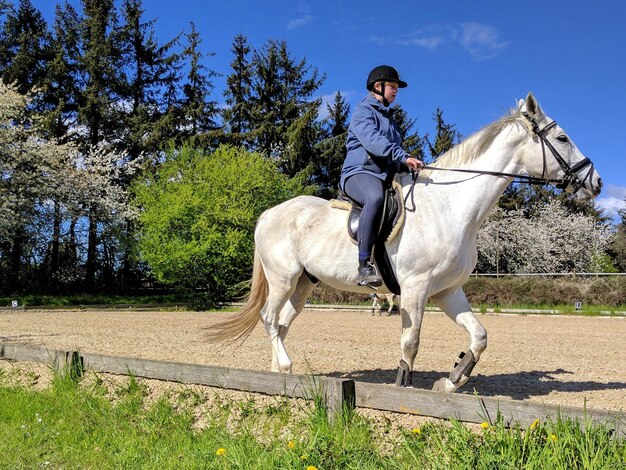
[{"x": 243, "y": 322}]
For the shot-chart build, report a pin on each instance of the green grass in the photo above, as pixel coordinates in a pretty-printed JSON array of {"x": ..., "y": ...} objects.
[
  {"x": 93, "y": 424},
  {"x": 88, "y": 299},
  {"x": 586, "y": 310},
  {"x": 553, "y": 445}
]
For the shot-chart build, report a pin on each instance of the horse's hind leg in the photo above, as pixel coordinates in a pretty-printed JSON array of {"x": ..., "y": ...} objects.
[
  {"x": 456, "y": 306},
  {"x": 390, "y": 299},
  {"x": 279, "y": 290},
  {"x": 292, "y": 308}
]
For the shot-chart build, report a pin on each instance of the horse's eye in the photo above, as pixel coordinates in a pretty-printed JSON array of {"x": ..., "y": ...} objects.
[{"x": 562, "y": 138}]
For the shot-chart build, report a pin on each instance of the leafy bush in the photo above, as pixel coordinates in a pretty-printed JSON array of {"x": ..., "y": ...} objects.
[{"x": 198, "y": 213}]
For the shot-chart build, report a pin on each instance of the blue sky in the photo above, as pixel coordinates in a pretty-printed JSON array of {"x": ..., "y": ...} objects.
[{"x": 473, "y": 59}]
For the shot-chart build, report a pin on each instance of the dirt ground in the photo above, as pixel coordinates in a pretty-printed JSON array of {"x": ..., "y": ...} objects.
[{"x": 566, "y": 360}]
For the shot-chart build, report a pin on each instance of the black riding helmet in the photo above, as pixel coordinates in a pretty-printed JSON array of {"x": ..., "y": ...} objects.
[{"x": 384, "y": 73}]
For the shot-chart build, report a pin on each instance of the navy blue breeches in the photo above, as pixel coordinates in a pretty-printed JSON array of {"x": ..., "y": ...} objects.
[{"x": 368, "y": 191}]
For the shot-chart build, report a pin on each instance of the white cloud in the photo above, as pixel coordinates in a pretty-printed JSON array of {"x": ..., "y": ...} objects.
[
  {"x": 481, "y": 41},
  {"x": 430, "y": 42},
  {"x": 613, "y": 199},
  {"x": 429, "y": 37},
  {"x": 299, "y": 22}
]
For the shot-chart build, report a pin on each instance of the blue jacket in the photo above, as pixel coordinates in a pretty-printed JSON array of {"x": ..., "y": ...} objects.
[{"x": 373, "y": 142}]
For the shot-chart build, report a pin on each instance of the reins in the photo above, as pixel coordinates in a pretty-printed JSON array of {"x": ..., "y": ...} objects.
[
  {"x": 571, "y": 172},
  {"x": 519, "y": 178}
]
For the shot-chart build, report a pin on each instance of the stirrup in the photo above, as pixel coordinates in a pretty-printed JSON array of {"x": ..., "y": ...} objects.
[
  {"x": 372, "y": 285},
  {"x": 367, "y": 271}
]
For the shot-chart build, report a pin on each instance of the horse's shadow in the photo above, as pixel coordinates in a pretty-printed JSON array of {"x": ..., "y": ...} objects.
[{"x": 517, "y": 386}]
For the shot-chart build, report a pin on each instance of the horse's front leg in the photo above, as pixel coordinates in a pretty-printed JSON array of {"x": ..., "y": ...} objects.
[
  {"x": 456, "y": 306},
  {"x": 411, "y": 307}
]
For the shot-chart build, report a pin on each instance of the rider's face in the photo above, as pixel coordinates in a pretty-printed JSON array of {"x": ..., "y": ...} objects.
[{"x": 391, "y": 90}]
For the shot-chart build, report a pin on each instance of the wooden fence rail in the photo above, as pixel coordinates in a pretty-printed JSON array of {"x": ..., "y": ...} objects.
[{"x": 336, "y": 392}]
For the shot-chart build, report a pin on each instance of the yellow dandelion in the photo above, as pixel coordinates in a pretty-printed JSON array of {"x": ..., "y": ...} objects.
[
  {"x": 416, "y": 430},
  {"x": 304, "y": 457},
  {"x": 553, "y": 437},
  {"x": 311, "y": 467},
  {"x": 221, "y": 451},
  {"x": 535, "y": 424},
  {"x": 484, "y": 425},
  {"x": 291, "y": 444}
]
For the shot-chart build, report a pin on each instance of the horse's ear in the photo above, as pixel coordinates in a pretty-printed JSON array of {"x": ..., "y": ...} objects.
[
  {"x": 532, "y": 107},
  {"x": 520, "y": 105}
]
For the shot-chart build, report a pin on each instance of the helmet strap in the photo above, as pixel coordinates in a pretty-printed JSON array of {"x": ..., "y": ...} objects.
[{"x": 381, "y": 92}]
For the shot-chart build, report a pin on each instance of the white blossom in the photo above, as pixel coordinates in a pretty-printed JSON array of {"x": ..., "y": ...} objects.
[
  {"x": 35, "y": 172},
  {"x": 551, "y": 241}
]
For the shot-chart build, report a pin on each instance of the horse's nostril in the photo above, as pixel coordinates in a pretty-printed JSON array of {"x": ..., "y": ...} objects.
[{"x": 599, "y": 183}]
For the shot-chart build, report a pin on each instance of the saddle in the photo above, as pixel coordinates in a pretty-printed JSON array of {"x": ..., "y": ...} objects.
[{"x": 392, "y": 221}]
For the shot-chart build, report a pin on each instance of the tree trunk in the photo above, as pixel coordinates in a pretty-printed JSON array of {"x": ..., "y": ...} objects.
[
  {"x": 90, "y": 267},
  {"x": 15, "y": 264},
  {"x": 53, "y": 275}
]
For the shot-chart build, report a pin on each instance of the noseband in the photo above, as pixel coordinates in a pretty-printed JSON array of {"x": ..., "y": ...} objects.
[{"x": 571, "y": 177}]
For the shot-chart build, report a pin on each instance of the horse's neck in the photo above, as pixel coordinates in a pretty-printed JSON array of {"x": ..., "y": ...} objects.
[{"x": 465, "y": 198}]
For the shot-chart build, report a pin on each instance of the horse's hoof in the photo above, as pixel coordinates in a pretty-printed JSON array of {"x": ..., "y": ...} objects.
[{"x": 444, "y": 385}]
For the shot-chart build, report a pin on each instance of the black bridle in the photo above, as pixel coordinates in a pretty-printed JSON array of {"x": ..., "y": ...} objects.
[{"x": 571, "y": 177}]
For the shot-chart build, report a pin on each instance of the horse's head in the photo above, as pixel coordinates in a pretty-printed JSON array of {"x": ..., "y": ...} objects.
[{"x": 559, "y": 158}]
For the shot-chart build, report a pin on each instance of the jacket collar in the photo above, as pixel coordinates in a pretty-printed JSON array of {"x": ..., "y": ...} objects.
[{"x": 386, "y": 110}]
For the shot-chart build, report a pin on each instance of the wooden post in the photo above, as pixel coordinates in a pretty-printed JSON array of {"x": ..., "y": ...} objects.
[
  {"x": 339, "y": 393},
  {"x": 69, "y": 363}
]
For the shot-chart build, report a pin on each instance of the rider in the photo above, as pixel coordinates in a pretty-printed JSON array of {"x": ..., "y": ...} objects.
[{"x": 374, "y": 157}]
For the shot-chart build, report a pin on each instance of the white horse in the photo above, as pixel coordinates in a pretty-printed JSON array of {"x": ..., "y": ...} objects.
[
  {"x": 379, "y": 299},
  {"x": 304, "y": 240}
]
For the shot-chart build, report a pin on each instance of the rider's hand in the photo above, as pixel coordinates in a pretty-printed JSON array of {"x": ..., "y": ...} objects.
[{"x": 414, "y": 164}]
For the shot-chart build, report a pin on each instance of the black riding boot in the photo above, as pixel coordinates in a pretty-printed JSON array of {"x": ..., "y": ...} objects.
[{"x": 368, "y": 276}]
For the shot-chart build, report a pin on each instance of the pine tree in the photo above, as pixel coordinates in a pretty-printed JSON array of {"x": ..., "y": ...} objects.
[
  {"x": 282, "y": 94},
  {"x": 5, "y": 6},
  {"x": 150, "y": 69},
  {"x": 198, "y": 111},
  {"x": 100, "y": 63},
  {"x": 446, "y": 137},
  {"x": 300, "y": 153},
  {"x": 24, "y": 47},
  {"x": 60, "y": 86},
  {"x": 59, "y": 116},
  {"x": 411, "y": 142},
  {"x": 332, "y": 149},
  {"x": 338, "y": 115},
  {"x": 237, "y": 116}
]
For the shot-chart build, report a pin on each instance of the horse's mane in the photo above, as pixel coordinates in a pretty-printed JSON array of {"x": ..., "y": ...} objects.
[{"x": 477, "y": 144}]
